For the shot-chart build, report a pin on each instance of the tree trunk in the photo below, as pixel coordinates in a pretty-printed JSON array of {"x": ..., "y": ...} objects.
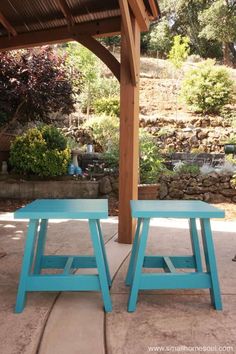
[
  {"x": 233, "y": 54},
  {"x": 227, "y": 55},
  {"x": 13, "y": 120}
]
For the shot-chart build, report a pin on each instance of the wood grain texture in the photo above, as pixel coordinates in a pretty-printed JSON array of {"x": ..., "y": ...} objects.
[{"x": 129, "y": 137}]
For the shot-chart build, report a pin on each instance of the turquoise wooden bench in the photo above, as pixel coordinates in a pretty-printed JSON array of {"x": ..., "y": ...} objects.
[
  {"x": 34, "y": 260},
  {"x": 171, "y": 279}
]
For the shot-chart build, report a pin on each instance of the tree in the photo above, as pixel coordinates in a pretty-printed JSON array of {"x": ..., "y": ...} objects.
[
  {"x": 81, "y": 59},
  {"x": 183, "y": 16},
  {"x": 95, "y": 84},
  {"x": 161, "y": 37},
  {"x": 219, "y": 23},
  {"x": 33, "y": 84},
  {"x": 179, "y": 51}
]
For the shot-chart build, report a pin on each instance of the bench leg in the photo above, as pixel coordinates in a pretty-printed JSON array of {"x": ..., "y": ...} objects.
[
  {"x": 195, "y": 244},
  {"x": 104, "y": 253},
  {"x": 133, "y": 256},
  {"x": 40, "y": 246},
  {"x": 138, "y": 266},
  {"x": 211, "y": 263},
  {"x": 100, "y": 265},
  {"x": 26, "y": 265}
]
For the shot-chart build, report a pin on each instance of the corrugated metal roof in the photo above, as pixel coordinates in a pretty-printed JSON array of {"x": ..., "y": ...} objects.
[{"x": 36, "y": 15}]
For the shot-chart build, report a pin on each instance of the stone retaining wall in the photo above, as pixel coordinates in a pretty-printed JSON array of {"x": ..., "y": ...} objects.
[
  {"x": 213, "y": 188},
  {"x": 48, "y": 189}
]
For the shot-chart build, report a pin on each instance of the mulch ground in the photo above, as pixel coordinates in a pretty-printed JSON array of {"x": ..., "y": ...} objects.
[{"x": 11, "y": 205}]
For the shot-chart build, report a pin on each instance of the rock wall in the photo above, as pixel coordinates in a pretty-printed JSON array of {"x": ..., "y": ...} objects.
[
  {"x": 200, "y": 134},
  {"x": 213, "y": 188},
  {"x": 22, "y": 189}
]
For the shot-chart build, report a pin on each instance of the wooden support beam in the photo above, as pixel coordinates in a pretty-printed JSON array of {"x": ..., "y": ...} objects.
[
  {"x": 126, "y": 20},
  {"x": 129, "y": 137},
  {"x": 154, "y": 9},
  {"x": 66, "y": 12},
  {"x": 101, "y": 52},
  {"x": 139, "y": 10},
  {"x": 7, "y": 25},
  {"x": 100, "y": 28}
]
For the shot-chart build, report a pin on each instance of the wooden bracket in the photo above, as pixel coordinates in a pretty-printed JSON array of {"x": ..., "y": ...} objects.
[
  {"x": 6, "y": 24},
  {"x": 139, "y": 10},
  {"x": 154, "y": 9},
  {"x": 101, "y": 52}
]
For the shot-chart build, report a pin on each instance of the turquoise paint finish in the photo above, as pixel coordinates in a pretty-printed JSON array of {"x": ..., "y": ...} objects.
[
  {"x": 40, "y": 246},
  {"x": 64, "y": 209},
  {"x": 195, "y": 244},
  {"x": 138, "y": 265},
  {"x": 26, "y": 265},
  {"x": 174, "y": 209},
  {"x": 178, "y": 261},
  {"x": 130, "y": 272},
  {"x": 68, "y": 267},
  {"x": 168, "y": 265},
  {"x": 103, "y": 252},
  {"x": 59, "y": 262},
  {"x": 175, "y": 281},
  {"x": 211, "y": 263},
  {"x": 34, "y": 259},
  {"x": 102, "y": 273},
  {"x": 172, "y": 279},
  {"x": 63, "y": 283}
]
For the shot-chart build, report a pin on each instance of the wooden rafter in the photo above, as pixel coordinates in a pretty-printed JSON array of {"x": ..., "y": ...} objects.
[
  {"x": 101, "y": 52},
  {"x": 55, "y": 35},
  {"x": 140, "y": 13},
  {"x": 154, "y": 8},
  {"x": 126, "y": 21},
  {"x": 7, "y": 25},
  {"x": 66, "y": 12}
]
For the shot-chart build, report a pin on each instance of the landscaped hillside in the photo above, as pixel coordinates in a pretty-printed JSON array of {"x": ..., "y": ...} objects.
[{"x": 164, "y": 114}]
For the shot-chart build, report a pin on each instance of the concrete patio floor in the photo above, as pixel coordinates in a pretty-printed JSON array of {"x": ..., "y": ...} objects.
[{"x": 71, "y": 323}]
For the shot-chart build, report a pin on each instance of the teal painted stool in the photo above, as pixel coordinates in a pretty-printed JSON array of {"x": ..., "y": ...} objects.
[
  {"x": 144, "y": 210},
  {"x": 34, "y": 259}
]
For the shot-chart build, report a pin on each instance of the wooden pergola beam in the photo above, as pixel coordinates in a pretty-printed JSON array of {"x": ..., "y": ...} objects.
[
  {"x": 154, "y": 8},
  {"x": 129, "y": 136},
  {"x": 66, "y": 12},
  {"x": 126, "y": 21},
  {"x": 100, "y": 28},
  {"x": 6, "y": 24},
  {"x": 140, "y": 13}
]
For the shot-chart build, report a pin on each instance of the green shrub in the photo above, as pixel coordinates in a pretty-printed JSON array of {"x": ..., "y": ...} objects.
[
  {"x": 53, "y": 137},
  {"x": 109, "y": 106},
  {"x": 41, "y": 152},
  {"x": 151, "y": 163},
  {"x": 104, "y": 130},
  {"x": 207, "y": 88},
  {"x": 179, "y": 51},
  {"x": 184, "y": 168}
]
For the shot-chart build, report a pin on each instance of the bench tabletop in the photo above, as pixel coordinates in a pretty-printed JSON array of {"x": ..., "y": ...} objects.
[
  {"x": 64, "y": 209},
  {"x": 174, "y": 209}
]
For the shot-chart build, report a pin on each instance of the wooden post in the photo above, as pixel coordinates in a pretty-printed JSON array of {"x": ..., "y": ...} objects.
[{"x": 129, "y": 135}]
